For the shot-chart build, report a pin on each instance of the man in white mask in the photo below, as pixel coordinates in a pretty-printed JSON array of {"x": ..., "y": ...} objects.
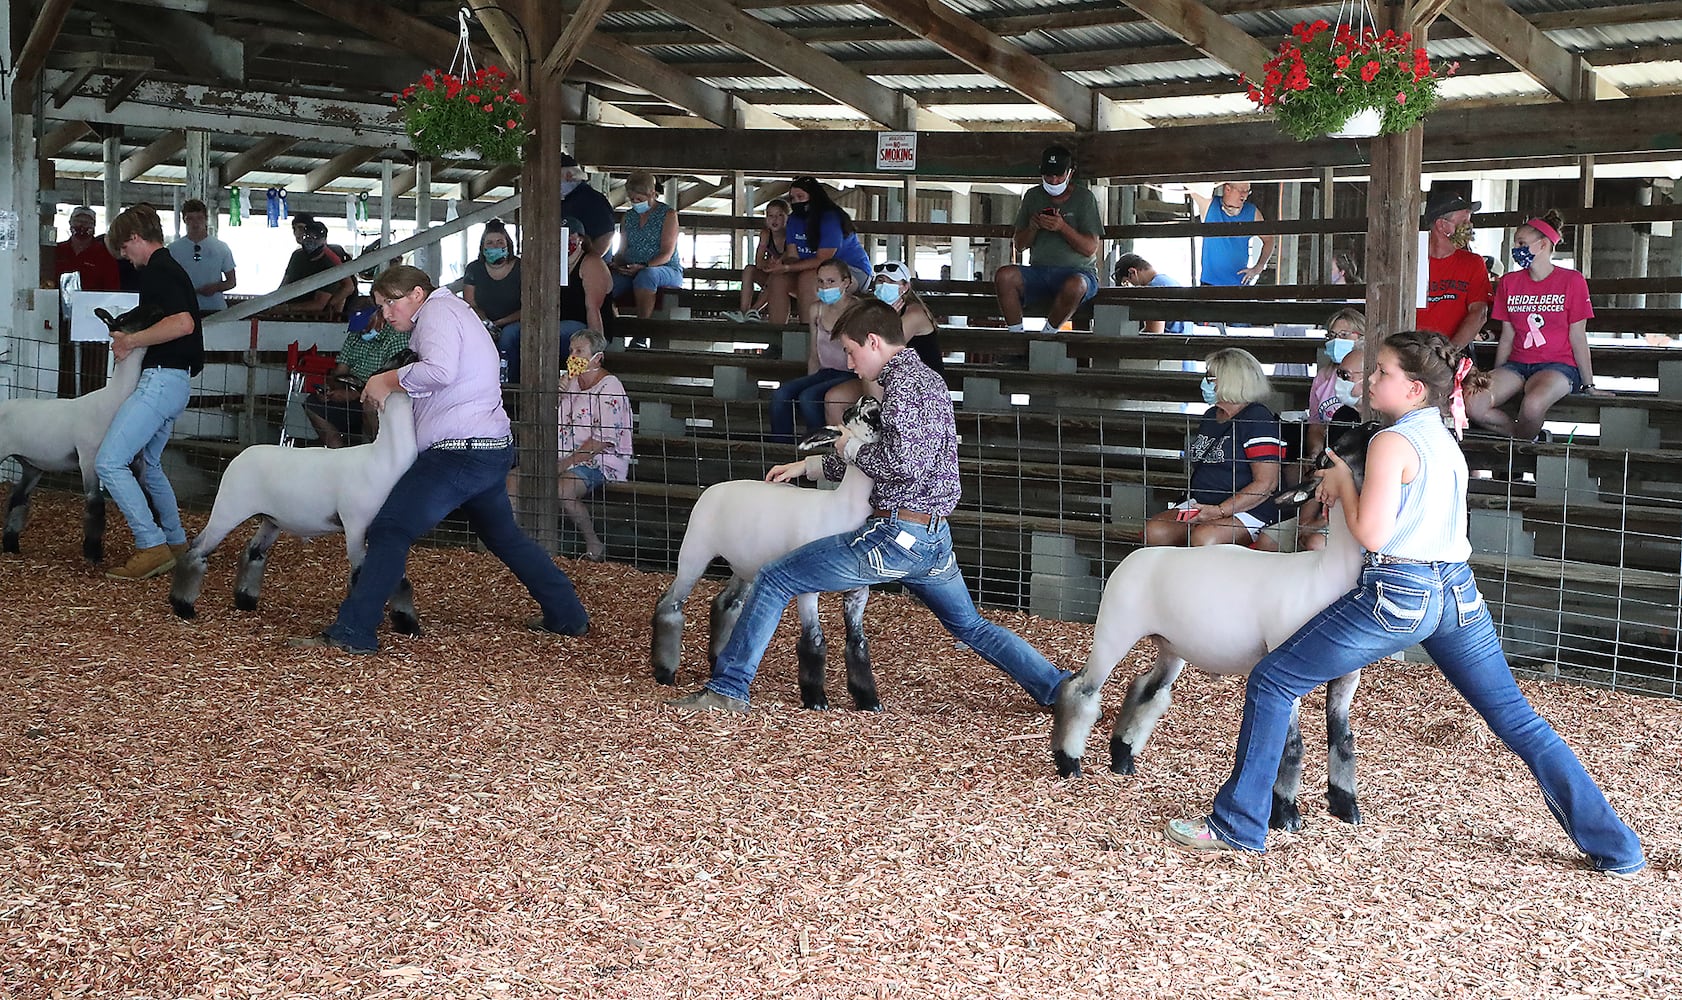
[
  {"x": 1058, "y": 224},
  {"x": 582, "y": 202}
]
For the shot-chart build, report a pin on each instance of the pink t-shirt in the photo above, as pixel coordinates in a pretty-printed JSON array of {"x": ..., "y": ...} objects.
[
  {"x": 602, "y": 412},
  {"x": 1541, "y": 313},
  {"x": 1322, "y": 389}
]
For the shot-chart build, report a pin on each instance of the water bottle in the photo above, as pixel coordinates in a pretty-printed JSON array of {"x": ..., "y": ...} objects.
[{"x": 504, "y": 366}]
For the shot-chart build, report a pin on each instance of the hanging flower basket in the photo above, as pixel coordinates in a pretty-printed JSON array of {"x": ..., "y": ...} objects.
[
  {"x": 1347, "y": 83},
  {"x": 477, "y": 116}
]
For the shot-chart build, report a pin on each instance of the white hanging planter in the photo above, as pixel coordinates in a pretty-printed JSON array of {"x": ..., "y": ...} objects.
[
  {"x": 470, "y": 153},
  {"x": 1363, "y": 124}
]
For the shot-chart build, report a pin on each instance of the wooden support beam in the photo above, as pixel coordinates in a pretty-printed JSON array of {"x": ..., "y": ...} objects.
[
  {"x": 152, "y": 154},
  {"x": 479, "y": 185},
  {"x": 338, "y": 166},
  {"x": 1006, "y": 62},
  {"x": 579, "y": 27},
  {"x": 405, "y": 32},
  {"x": 788, "y": 55},
  {"x": 121, "y": 89},
  {"x": 254, "y": 158},
  {"x": 703, "y": 100},
  {"x": 32, "y": 58},
  {"x": 1564, "y": 73},
  {"x": 1212, "y": 34},
  {"x": 694, "y": 194},
  {"x": 195, "y": 47},
  {"x": 72, "y": 83},
  {"x": 504, "y": 35},
  {"x": 56, "y": 141}
]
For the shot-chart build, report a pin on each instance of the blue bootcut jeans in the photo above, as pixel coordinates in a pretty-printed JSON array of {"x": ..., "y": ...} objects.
[
  {"x": 438, "y": 483},
  {"x": 1393, "y": 607},
  {"x": 141, "y": 427},
  {"x": 883, "y": 550},
  {"x": 806, "y": 394}
]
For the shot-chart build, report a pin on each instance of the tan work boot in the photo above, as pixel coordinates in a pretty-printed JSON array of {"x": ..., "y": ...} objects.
[
  {"x": 145, "y": 564},
  {"x": 706, "y": 700},
  {"x": 179, "y": 549}
]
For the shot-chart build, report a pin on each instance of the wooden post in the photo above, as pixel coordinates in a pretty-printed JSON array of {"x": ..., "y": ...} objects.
[
  {"x": 113, "y": 193},
  {"x": 911, "y": 216},
  {"x": 544, "y": 267},
  {"x": 386, "y": 199},
  {"x": 1393, "y": 213},
  {"x": 430, "y": 259},
  {"x": 199, "y": 178},
  {"x": 1585, "y": 234}
]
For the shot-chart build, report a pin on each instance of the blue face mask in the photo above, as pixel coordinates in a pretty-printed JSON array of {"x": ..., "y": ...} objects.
[
  {"x": 829, "y": 296},
  {"x": 888, "y": 292},
  {"x": 371, "y": 335},
  {"x": 1523, "y": 256},
  {"x": 642, "y": 206},
  {"x": 1208, "y": 388},
  {"x": 1337, "y": 350},
  {"x": 495, "y": 255}
]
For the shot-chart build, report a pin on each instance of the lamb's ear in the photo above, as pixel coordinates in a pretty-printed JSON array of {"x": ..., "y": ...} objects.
[
  {"x": 1297, "y": 495},
  {"x": 105, "y": 317},
  {"x": 818, "y": 440}
]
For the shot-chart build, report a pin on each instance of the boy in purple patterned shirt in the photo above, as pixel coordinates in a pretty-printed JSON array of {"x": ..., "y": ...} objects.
[{"x": 915, "y": 468}]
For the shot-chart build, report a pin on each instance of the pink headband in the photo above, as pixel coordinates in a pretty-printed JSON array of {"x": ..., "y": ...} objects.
[{"x": 1546, "y": 230}]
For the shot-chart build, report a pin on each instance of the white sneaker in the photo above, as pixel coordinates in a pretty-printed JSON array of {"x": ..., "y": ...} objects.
[{"x": 737, "y": 316}]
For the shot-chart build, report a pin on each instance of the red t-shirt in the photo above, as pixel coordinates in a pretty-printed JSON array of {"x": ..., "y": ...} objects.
[
  {"x": 1541, "y": 313},
  {"x": 1456, "y": 281},
  {"x": 95, "y": 264}
]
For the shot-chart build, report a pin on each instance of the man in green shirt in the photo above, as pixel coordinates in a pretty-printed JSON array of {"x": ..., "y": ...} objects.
[
  {"x": 336, "y": 409},
  {"x": 1058, "y": 225}
]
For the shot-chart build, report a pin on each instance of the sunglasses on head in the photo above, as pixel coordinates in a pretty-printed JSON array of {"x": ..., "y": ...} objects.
[{"x": 198, "y": 252}]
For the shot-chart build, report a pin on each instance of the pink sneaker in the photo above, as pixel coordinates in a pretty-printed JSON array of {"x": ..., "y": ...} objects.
[{"x": 1194, "y": 835}]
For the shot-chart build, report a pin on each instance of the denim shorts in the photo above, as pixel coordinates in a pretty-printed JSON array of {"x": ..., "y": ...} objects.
[
  {"x": 1042, "y": 284},
  {"x": 593, "y": 477},
  {"x": 1569, "y": 371}
]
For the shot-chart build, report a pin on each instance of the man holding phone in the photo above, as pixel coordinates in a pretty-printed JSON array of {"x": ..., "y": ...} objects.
[{"x": 1058, "y": 224}]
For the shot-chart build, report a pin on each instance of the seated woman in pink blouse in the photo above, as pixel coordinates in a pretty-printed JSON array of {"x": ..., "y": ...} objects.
[{"x": 595, "y": 435}]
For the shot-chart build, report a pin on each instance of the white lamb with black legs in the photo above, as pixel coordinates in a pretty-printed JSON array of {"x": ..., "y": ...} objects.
[
  {"x": 1223, "y": 608},
  {"x": 750, "y": 523},
  {"x": 63, "y": 435},
  {"x": 306, "y": 492}
]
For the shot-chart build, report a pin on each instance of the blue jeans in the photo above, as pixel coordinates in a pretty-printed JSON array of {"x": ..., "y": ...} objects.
[
  {"x": 806, "y": 393},
  {"x": 1570, "y": 372},
  {"x": 1393, "y": 607},
  {"x": 884, "y": 550},
  {"x": 508, "y": 345},
  {"x": 438, "y": 483},
  {"x": 669, "y": 275},
  {"x": 1042, "y": 284},
  {"x": 141, "y": 427}
]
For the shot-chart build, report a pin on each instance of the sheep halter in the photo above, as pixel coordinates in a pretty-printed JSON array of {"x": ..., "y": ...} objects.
[{"x": 1457, "y": 401}]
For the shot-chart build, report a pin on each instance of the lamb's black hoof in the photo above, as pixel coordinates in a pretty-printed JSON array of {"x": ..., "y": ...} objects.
[
  {"x": 245, "y": 601},
  {"x": 666, "y": 677},
  {"x": 1121, "y": 758},
  {"x": 1285, "y": 816},
  {"x": 405, "y": 624},
  {"x": 1342, "y": 806},
  {"x": 871, "y": 705},
  {"x": 821, "y": 705},
  {"x": 1067, "y": 766},
  {"x": 93, "y": 552},
  {"x": 10, "y": 543},
  {"x": 182, "y": 609}
]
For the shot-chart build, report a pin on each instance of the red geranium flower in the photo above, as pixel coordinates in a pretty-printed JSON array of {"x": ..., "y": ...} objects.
[
  {"x": 1370, "y": 70},
  {"x": 510, "y": 123},
  {"x": 473, "y": 98}
]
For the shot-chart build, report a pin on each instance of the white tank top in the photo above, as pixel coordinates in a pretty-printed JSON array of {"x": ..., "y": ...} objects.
[{"x": 1431, "y": 518}]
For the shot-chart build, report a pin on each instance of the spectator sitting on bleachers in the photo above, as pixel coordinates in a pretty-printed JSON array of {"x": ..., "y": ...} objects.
[
  {"x": 1234, "y": 458},
  {"x": 587, "y": 297},
  {"x": 818, "y": 229},
  {"x": 595, "y": 433},
  {"x": 491, "y": 285},
  {"x": 1343, "y": 337},
  {"x": 1342, "y": 407},
  {"x": 314, "y": 256},
  {"x": 647, "y": 260},
  {"x": 826, "y": 359},
  {"x": 1344, "y": 269},
  {"x": 337, "y": 409},
  {"x": 1058, "y": 224},
  {"x": 1226, "y": 259},
  {"x": 891, "y": 284},
  {"x": 1136, "y": 271},
  {"x": 581, "y": 201},
  {"x": 1551, "y": 359},
  {"x": 773, "y": 302}
]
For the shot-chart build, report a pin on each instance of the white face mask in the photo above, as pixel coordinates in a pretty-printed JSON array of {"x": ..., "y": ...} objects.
[
  {"x": 568, "y": 187},
  {"x": 1055, "y": 189},
  {"x": 1345, "y": 391}
]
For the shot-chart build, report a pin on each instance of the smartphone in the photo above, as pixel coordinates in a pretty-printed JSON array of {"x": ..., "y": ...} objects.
[
  {"x": 1186, "y": 515},
  {"x": 1048, "y": 210}
]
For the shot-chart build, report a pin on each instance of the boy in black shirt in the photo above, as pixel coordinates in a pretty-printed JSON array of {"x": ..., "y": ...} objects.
[{"x": 174, "y": 354}]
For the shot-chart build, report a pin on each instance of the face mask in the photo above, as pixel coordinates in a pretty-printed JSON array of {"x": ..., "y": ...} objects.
[
  {"x": 578, "y": 366},
  {"x": 1337, "y": 350},
  {"x": 1523, "y": 256},
  {"x": 1055, "y": 189},
  {"x": 798, "y": 210},
  {"x": 313, "y": 246},
  {"x": 1207, "y": 386},
  {"x": 371, "y": 335},
  {"x": 568, "y": 187},
  {"x": 1462, "y": 236},
  {"x": 641, "y": 207},
  {"x": 495, "y": 255},
  {"x": 888, "y": 292},
  {"x": 1346, "y": 393},
  {"x": 829, "y": 296},
  {"x": 82, "y": 232}
]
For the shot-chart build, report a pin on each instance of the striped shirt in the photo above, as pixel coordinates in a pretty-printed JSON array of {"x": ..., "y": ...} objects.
[
  {"x": 1222, "y": 452},
  {"x": 1431, "y": 516},
  {"x": 915, "y": 462}
]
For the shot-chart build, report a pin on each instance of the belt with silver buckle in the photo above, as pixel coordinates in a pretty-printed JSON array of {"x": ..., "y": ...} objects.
[
  {"x": 1381, "y": 559},
  {"x": 474, "y": 444}
]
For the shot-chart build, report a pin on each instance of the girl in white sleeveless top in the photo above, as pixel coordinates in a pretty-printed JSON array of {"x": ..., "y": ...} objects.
[{"x": 1417, "y": 588}]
